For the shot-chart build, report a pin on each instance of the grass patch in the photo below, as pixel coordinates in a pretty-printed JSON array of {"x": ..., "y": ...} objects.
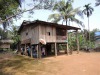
[{"x": 20, "y": 65}]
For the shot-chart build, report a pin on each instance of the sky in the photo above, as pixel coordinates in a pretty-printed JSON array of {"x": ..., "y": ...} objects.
[{"x": 43, "y": 14}]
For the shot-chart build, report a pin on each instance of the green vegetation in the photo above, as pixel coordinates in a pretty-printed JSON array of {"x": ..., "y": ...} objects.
[
  {"x": 88, "y": 12},
  {"x": 7, "y": 9},
  {"x": 14, "y": 36},
  {"x": 83, "y": 41},
  {"x": 12, "y": 9},
  {"x": 3, "y": 34},
  {"x": 65, "y": 12}
]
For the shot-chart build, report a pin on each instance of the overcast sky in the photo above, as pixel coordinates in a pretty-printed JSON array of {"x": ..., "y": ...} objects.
[{"x": 43, "y": 14}]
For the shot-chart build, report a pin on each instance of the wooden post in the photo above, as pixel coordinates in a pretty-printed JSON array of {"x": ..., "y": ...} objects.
[
  {"x": 77, "y": 41},
  {"x": 31, "y": 52},
  {"x": 55, "y": 49},
  {"x": 25, "y": 50},
  {"x": 39, "y": 49},
  {"x": 67, "y": 51},
  {"x": 58, "y": 48},
  {"x": 67, "y": 44}
]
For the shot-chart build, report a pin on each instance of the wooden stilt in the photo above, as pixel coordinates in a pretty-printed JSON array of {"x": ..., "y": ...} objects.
[
  {"x": 25, "y": 50},
  {"x": 39, "y": 46},
  {"x": 31, "y": 52},
  {"x": 55, "y": 49},
  {"x": 77, "y": 41},
  {"x": 67, "y": 45},
  {"x": 58, "y": 48},
  {"x": 37, "y": 51}
]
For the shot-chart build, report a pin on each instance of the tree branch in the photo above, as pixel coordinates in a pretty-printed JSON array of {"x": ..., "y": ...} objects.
[{"x": 1, "y": 21}]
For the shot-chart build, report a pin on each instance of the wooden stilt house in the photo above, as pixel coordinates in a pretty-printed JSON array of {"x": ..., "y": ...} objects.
[{"x": 43, "y": 38}]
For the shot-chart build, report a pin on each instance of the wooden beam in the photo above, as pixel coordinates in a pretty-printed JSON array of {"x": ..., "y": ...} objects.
[
  {"x": 77, "y": 41},
  {"x": 55, "y": 49}
]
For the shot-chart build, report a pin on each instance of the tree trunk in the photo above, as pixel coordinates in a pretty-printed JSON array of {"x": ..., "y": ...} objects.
[
  {"x": 67, "y": 39},
  {"x": 66, "y": 22},
  {"x": 69, "y": 22},
  {"x": 88, "y": 29}
]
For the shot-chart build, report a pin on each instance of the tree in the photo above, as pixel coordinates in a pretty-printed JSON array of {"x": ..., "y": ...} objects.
[
  {"x": 10, "y": 9},
  {"x": 3, "y": 35},
  {"x": 83, "y": 42},
  {"x": 14, "y": 35},
  {"x": 97, "y": 2},
  {"x": 65, "y": 12},
  {"x": 88, "y": 12},
  {"x": 92, "y": 34}
]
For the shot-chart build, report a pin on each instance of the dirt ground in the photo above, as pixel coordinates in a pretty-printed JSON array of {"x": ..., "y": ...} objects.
[{"x": 75, "y": 64}]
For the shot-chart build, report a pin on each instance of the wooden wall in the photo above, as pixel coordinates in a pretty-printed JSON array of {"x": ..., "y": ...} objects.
[
  {"x": 24, "y": 32},
  {"x": 30, "y": 32},
  {"x": 35, "y": 35},
  {"x": 47, "y": 33}
]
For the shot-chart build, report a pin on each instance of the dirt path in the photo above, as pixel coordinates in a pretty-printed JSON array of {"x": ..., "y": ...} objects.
[{"x": 75, "y": 64}]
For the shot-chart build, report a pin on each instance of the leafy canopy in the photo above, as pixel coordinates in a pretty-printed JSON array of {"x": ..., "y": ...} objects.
[
  {"x": 88, "y": 10},
  {"x": 65, "y": 11},
  {"x": 10, "y": 9}
]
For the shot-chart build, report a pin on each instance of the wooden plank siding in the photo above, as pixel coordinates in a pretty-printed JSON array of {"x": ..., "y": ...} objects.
[
  {"x": 48, "y": 33},
  {"x": 25, "y": 35},
  {"x": 30, "y": 33},
  {"x": 35, "y": 35}
]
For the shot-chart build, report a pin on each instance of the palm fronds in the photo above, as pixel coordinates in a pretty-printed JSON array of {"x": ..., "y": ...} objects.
[
  {"x": 97, "y": 2},
  {"x": 65, "y": 12}
]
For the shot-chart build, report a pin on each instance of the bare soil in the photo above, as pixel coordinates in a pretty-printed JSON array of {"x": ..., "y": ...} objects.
[{"x": 75, "y": 64}]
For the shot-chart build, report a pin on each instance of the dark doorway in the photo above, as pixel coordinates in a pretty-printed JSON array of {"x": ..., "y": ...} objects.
[{"x": 49, "y": 49}]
